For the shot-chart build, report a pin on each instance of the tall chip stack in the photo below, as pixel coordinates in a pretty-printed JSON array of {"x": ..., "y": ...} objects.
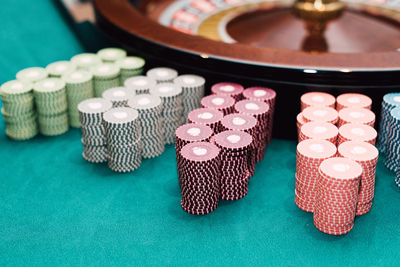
[
  {"x": 130, "y": 67},
  {"x": 123, "y": 138},
  {"x": 225, "y": 104},
  {"x": 111, "y": 54},
  {"x": 52, "y": 106},
  {"x": 86, "y": 61},
  {"x": 319, "y": 130},
  {"x": 119, "y": 96},
  {"x": 207, "y": 116},
  {"x": 79, "y": 84},
  {"x": 162, "y": 74},
  {"x": 18, "y": 110},
  {"x": 392, "y": 161},
  {"x": 32, "y": 75},
  {"x": 60, "y": 68},
  {"x": 390, "y": 101},
  {"x": 151, "y": 123},
  {"x": 93, "y": 135},
  {"x": 105, "y": 76},
  {"x": 234, "y": 90},
  {"x": 140, "y": 84},
  {"x": 356, "y": 115},
  {"x": 172, "y": 109},
  {"x": 193, "y": 89},
  {"x": 357, "y": 132}
]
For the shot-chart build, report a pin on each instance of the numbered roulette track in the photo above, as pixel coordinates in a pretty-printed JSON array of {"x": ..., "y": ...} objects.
[{"x": 260, "y": 43}]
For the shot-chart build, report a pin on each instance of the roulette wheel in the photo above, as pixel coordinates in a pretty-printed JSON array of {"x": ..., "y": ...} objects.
[{"x": 293, "y": 47}]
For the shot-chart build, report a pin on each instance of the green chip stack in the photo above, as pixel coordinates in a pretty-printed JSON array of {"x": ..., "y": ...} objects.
[
  {"x": 85, "y": 61},
  {"x": 60, "y": 68},
  {"x": 105, "y": 76},
  {"x": 111, "y": 54},
  {"x": 130, "y": 66},
  {"x": 18, "y": 110},
  {"x": 32, "y": 75},
  {"x": 79, "y": 85},
  {"x": 51, "y": 104}
]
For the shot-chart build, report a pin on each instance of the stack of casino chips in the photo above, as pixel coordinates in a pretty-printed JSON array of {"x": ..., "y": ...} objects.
[
  {"x": 392, "y": 161},
  {"x": 228, "y": 89},
  {"x": 118, "y": 96},
  {"x": 245, "y": 123},
  {"x": 235, "y": 147},
  {"x": 105, "y": 76},
  {"x": 353, "y": 100},
  {"x": 162, "y": 75},
  {"x": 390, "y": 101},
  {"x": 149, "y": 108},
  {"x": 79, "y": 85},
  {"x": 225, "y": 104},
  {"x": 319, "y": 130},
  {"x": 32, "y": 75},
  {"x": 93, "y": 135},
  {"x": 193, "y": 88},
  {"x": 199, "y": 175},
  {"x": 310, "y": 154},
  {"x": 207, "y": 116},
  {"x": 337, "y": 195},
  {"x": 51, "y": 105},
  {"x": 171, "y": 98},
  {"x": 140, "y": 84},
  {"x": 130, "y": 67},
  {"x": 299, "y": 122},
  {"x": 317, "y": 99},
  {"x": 397, "y": 179},
  {"x": 60, "y": 68},
  {"x": 86, "y": 61},
  {"x": 356, "y": 115},
  {"x": 367, "y": 156},
  {"x": 123, "y": 139},
  {"x": 260, "y": 111},
  {"x": 186, "y": 134},
  {"x": 18, "y": 110},
  {"x": 111, "y": 54},
  {"x": 268, "y": 96},
  {"x": 317, "y": 113},
  {"x": 357, "y": 132}
]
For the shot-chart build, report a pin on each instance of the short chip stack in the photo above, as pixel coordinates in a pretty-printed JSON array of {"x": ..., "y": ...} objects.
[
  {"x": 199, "y": 175},
  {"x": 123, "y": 138},
  {"x": 18, "y": 110},
  {"x": 392, "y": 161},
  {"x": 353, "y": 100},
  {"x": 86, "y": 61},
  {"x": 51, "y": 105},
  {"x": 193, "y": 88},
  {"x": 228, "y": 89},
  {"x": 79, "y": 84},
  {"x": 93, "y": 134},
  {"x": 105, "y": 76},
  {"x": 317, "y": 99},
  {"x": 319, "y": 130},
  {"x": 207, "y": 116},
  {"x": 151, "y": 123},
  {"x": 356, "y": 115},
  {"x": 225, "y": 104},
  {"x": 235, "y": 147},
  {"x": 119, "y": 96},
  {"x": 32, "y": 75},
  {"x": 390, "y": 101},
  {"x": 130, "y": 67},
  {"x": 357, "y": 132},
  {"x": 162, "y": 74},
  {"x": 111, "y": 54},
  {"x": 140, "y": 84},
  {"x": 60, "y": 68}
]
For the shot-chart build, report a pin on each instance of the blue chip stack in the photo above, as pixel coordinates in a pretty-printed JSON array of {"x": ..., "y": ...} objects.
[
  {"x": 397, "y": 179},
  {"x": 390, "y": 101},
  {"x": 393, "y": 140}
]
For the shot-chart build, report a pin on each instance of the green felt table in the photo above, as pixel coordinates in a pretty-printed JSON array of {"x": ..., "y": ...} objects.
[{"x": 58, "y": 210}]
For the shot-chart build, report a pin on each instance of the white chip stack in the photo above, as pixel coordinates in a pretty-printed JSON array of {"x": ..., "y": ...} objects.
[
  {"x": 119, "y": 96},
  {"x": 162, "y": 74},
  {"x": 140, "y": 84}
]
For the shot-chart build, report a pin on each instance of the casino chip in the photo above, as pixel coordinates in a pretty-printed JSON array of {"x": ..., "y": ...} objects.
[
  {"x": 199, "y": 175},
  {"x": 397, "y": 179},
  {"x": 352, "y": 100},
  {"x": 162, "y": 75},
  {"x": 171, "y": 97},
  {"x": 235, "y": 147},
  {"x": 93, "y": 135},
  {"x": 268, "y": 96},
  {"x": 337, "y": 195},
  {"x": 356, "y": 115},
  {"x": 149, "y": 108},
  {"x": 319, "y": 130},
  {"x": 79, "y": 84},
  {"x": 140, "y": 84},
  {"x": 225, "y": 104},
  {"x": 111, "y": 54},
  {"x": 130, "y": 67},
  {"x": 228, "y": 89},
  {"x": 18, "y": 110},
  {"x": 207, "y": 116},
  {"x": 325, "y": 114},
  {"x": 52, "y": 106},
  {"x": 317, "y": 99},
  {"x": 86, "y": 61},
  {"x": 123, "y": 139},
  {"x": 60, "y": 68},
  {"x": 367, "y": 156},
  {"x": 390, "y": 101},
  {"x": 357, "y": 132},
  {"x": 32, "y": 75},
  {"x": 299, "y": 122},
  {"x": 193, "y": 88},
  {"x": 310, "y": 154},
  {"x": 392, "y": 161},
  {"x": 105, "y": 76},
  {"x": 119, "y": 96}
]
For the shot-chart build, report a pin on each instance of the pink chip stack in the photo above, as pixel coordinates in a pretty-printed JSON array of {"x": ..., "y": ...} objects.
[
  {"x": 356, "y": 115},
  {"x": 317, "y": 99},
  {"x": 228, "y": 89},
  {"x": 207, "y": 116},
  {"x": 319, "y": 130},
  {"x": 225, "y": 104},
  {"x": 357, "y": 132},
  {"x": 353, "y": 100}
]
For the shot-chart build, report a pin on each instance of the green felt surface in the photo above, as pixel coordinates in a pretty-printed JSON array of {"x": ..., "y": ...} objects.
[{"x": 58, "y": 210}]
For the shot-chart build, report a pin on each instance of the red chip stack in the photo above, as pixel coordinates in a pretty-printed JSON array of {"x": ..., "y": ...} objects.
[
  {"x": 260, "y": 111},
  {"x": 207, "y": 116},
  {"x": 200, "y": 172},
  {"x": 319, "y": 130},
  {"x": 337, "y": 195},
  {"x": 325, "y": 114},
  {"x": 235, "y": 147},
  {"x": 310, "y": 154},
  {"x": 228, "y": 89},
  {"x": 317, "y": 99},
  {"x": 367, "y": 156},
  {"x": 353, "y": 100},
  {"x": 299, "y": 122},
  {"x": 225, "y": 104},
  {"x": 357, "y": 132},
  {"x": 356, "y": 115}
]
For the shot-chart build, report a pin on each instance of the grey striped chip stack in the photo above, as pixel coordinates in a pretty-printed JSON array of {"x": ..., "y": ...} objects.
[
  {"x": 140, "y": 84},
  {"x": 79, "y": 84},
  {"x": 392, "y": 161},
  {"x": 130, "y": 67},
  {"x": 51, "y": 105},
  {"x": 123, "y": 138},
  {"x": 93, "y": 134},
  {"x": 390, "y": 101},
  {"x": 18, "y": 110},
  {"x": 105, "y": 76},
  {"x": 162, "y": 74},
  {"x": 171, "y": 97},
  {"x": 32, "y": 75},
  {"x": 60, "y": 68},
  {"x": 111, "y": 54},
  {"x": 151, "y": 123},
  {"x": 85, "y": 61},
  {"x": 119, "y": 96}
]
